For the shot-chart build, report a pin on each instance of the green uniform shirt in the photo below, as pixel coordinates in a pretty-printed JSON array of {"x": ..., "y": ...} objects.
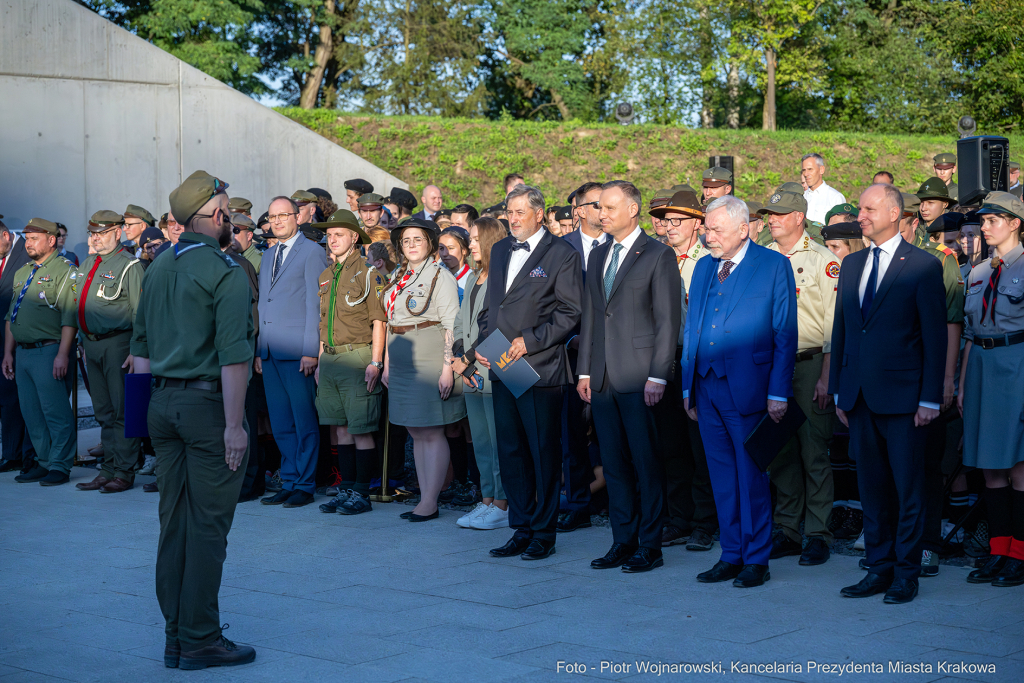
[
  {"x": 341, "y": 323},
  {"x": 113, "y": 294},
  {"x": 813, "y": 229},
  {"x": 954, "y": 191},
  {"x": 951, "y": 280},
  {"x": 253, "y": 256},
  {"x": 195, "y": 312},
  {"x": 50, "y": 303},
  {"x": 764, "y": 238}
]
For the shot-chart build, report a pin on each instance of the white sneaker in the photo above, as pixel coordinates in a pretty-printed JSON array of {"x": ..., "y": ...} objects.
[
  {"x": 859, "y": 543},
  {"x": 466, "y": 520},
  {"x": 493, "y": 518},
  {"x": 149, "y": 466}
]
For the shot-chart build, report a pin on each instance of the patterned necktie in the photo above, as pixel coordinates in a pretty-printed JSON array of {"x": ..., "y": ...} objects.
[
  {"x": 869, "y": 291},
  {"x": 278, "y": 260},
  {"x": 85, "y": 295},
  {"x": 988, "y": 299},
  {"x": 724, "y": 272},
  {"x": 17, "y": 304},
  {"x": 609, "y": 275}
]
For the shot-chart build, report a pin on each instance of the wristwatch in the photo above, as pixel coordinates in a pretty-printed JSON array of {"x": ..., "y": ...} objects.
[{"x": 377, "y": 364}]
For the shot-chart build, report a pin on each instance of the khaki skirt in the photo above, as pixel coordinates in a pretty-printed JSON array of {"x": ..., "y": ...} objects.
[{"x": 415, "y": 360}]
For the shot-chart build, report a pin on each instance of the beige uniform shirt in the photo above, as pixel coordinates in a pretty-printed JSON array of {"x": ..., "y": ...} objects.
[
  {"x": 416, "y": 304},
  {"x": 1009, "y": 300},
  {"x": 816, "y": 270},
  {"x": 688, "y": 262}
]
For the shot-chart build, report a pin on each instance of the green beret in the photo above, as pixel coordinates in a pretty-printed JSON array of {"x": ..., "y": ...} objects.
[
  {"x": 140, "y": 213},
  {"x": 785, "y": 202},
  {"x": 193, "y": 194},
  {"x": 303, "y": 196},
  {"x": 716, "y": 176},
  {"x": 934, "y": 188},
  {"x": 944, "y": 160},
  {"x": 240, "y": 220},
  {"x": 911, "y": 204},
  {"x": 41, "y": 225},
  {"x": 371, "y": 200},
  {"x": 1001, "y": 202},
  {"x": 104, "y": 220},
  {"x": 239, "y": 204},
  {"x": 841, "y": 208},
  {"x": 343, "y": 218}
]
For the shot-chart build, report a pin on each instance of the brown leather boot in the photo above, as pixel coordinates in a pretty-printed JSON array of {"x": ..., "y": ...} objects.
[
  {"x": 95, "y": 485},
  {"x": 222, "y": 652},
  {"x": 116, "y": 485}
]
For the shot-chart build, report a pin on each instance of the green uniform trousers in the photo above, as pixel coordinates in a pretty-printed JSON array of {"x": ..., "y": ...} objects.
[
  {"x": 46, "y": 407},
  {"x": 106, "y": 386},
  {"x": 198, "y": 494},
  {"x": 802, "y": 473}
]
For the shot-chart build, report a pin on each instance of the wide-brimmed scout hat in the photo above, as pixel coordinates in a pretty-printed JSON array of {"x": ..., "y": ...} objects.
[{"x": 343, "y": 218}]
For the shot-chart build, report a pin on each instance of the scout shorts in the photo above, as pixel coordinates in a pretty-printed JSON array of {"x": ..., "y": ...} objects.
[{"x": 341, "y": 396}]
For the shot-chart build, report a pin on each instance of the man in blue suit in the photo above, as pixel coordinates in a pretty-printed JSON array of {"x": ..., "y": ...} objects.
[
  {"x": 739, "y": 351},
  {"x": 289, "y": 345}
]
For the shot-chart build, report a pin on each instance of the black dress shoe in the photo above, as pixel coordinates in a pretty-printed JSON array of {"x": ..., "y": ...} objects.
[
  {"x": 901, "y": 592},
  {"x": 752, "y": 576},
  {"x": 10, "y": 465},
  {"x": 150, "y": 487},
  {"x": 538, "y": 550},
  {"x": 872, "y": 584},
  {"x": 405, "y": 515},
  {"x": 34, "y": 474},
  {"x": 815, "y": 553},
  {"x": 988, "y": 571},
  {"x": 515, "y": 546},
  {"x": 54, "y": 478},
  {"x": 278, "y": 498},
  {"x": 571, "y": 521},
  {"x": 619, "y": 553},
  {"x": 643, "y": 560},
  {"x": 722, "y": 571},
  {"x": 298, "y": 499},
  {"x": 1012, "y": 573},
  {"x": 221, "y": 653},
  {"x": 784, "y": 546},
  {"x": 424, "y": 518}
]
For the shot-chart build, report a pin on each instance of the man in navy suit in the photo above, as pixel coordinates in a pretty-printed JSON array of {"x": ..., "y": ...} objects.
[
  {"x": 889, "y": 352},
  {"x": 739, "y": 350},
  {"x": 18, "y": 452},
  {"x": 288, "y": 348}
]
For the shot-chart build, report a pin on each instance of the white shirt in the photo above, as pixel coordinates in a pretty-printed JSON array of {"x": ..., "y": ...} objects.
[
  {"x": 517, "y": 259},
  {"x": 821, "y": 201},
  {"x": 589, "y": 243},
  {"x": 285, "y": 248}
]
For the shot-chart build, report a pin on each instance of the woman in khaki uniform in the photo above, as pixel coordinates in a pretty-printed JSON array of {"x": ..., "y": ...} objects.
[{"x": 422, "y": 305}]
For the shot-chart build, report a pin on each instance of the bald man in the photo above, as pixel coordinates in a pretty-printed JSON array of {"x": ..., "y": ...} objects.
[{"x": 432, "y": 202}]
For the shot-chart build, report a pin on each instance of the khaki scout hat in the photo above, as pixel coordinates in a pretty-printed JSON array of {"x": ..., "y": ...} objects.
[
  {"x": 716, "y": 176},
  {"x": 192, "y": 194},
  {"x": 997, "y": 202},
  {"x": 370, "y": 200},
  {"x": 240, "y": 204},
  {"x": 785, "y": 202},
  {"x": 934, "y": 188},
  {"x": 102, "y": 221},
  {"x": 842, "y": 231},
  {"x": 138, "y": 212},
  {"x": 911, "y": 204},
  {"x": 840, "y": 208},
  {"x": 343, "y": 218},
  {"x": 240, "y": 220},
  {"x": 41, "y": 225},
  {"x": 303, "y": 196},
  {"x": 684, "y": 202},
  {"x": 944, "y": 160}
]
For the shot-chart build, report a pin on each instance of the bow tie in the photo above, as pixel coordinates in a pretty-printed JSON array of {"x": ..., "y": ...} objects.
[{"x": 521, "y": 245}]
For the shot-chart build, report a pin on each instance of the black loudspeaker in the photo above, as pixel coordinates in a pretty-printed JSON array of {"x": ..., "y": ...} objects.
[
  {"x": 981, "y": 167},
  {"x": 727, "y": 164}
]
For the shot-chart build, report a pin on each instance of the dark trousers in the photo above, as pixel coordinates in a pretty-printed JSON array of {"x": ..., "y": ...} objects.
[
  {"x": 254, "y": 483},
  {"x": 291, "y": 400},
  {"x": 198, "y": 495},
  {"x": 890, "y": 454},
  {"x": 937, "y": 434},
  {"x": 106, "y": 387},
  {"x": 632, "y": 468},
  {"x": 529, "y": 446},
  {"x": 576, "y": 470},
  {"x": 16, "y": 444}
]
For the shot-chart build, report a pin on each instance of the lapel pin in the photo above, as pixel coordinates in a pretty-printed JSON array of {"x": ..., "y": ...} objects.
[{"x": 901, "y": 258}]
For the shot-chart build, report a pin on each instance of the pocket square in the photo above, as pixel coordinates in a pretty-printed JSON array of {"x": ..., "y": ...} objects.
[{"x": 538, "y": 272}]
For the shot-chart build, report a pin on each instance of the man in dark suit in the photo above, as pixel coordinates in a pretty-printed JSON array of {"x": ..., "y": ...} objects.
[
  {"x": 432, "y": 203},
  {"x": 739, "y": 350},
  {"x": 631, "y": 310},
  {"x": 17, "y": 447},
  {"x": 889, "y": 342},
  {"x": 534, "y": 293}
]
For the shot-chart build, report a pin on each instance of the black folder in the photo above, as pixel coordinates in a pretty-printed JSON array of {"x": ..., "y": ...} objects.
[{"x": 769, "y": 436}]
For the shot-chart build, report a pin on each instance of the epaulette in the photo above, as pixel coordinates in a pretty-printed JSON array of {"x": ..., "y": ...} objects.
[
  {"x": 944, "y": 249},
  {"x": 179, "y": 250}
]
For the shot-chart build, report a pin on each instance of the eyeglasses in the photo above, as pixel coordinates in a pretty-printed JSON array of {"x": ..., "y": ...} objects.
[
  {"x": 595, "y": 205},
  {"x": 412, "y": 241},
  {"x": 281, "y": 217},
  {"x": 675, "y": 222},
  {"x": 102, "y": 232}
]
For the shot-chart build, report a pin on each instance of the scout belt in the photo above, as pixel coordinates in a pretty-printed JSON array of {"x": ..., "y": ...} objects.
[
  {"x": 402, "y": 329},
  {"x": 343, "y": 348},
  {"x": 995, "y": 342},
  {"x": 40, "y": 344},
  {"x": 105, "y": 335},
  {"x": 173, "y": 383},
  {"x": 807, "y": 354}
]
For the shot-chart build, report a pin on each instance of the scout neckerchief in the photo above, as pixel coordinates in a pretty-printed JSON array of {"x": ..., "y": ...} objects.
[
  {"x": 395, "y": 291},
  {"x": 17, "y": 304},
  {"x": 988, "y": 301},
  {"x": 462, "y": 273}
]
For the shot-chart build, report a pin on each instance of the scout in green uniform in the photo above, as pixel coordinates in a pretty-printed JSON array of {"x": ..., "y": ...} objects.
[
  {"x": 802, "y": 472},
  {"x": 944, "y": 166},
  {"x": 716, "y": 182},
  {"x": 371, "y": 206},
  {"x": 243, "y": 230},
  {"x": 352, "y": 336},
  {"x": 109, "y": 285},
  {"x": 194, "y": 332},
  {"x": 934, "y": 201},
  {"x": 41, "y": 323},
  {"x": 841, "y": 213}
]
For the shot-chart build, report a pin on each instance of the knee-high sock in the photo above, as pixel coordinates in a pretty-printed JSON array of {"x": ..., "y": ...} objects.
[
  {"x": 999, "y": 503},
  {"x": 367, "y": 468},
  {"x": 346, "y": 463},
  {"x": 1017, "y": 542}
]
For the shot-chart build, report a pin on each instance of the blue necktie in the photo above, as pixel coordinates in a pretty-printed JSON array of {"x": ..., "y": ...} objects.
[
  {"x": 277, "y": 261},
  {"x": 609, "y": 275},
  {"x": 17, "y": 304},
  {"x": 869, "y": 292}
]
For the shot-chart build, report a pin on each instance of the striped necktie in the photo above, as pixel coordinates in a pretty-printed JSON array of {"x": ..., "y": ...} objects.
[{"x": 17, "y": 304}]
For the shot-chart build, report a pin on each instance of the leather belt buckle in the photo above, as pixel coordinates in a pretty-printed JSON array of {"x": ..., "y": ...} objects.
[
  {"x": 988, "y": 343},
  {"x": 330, "y": 350}
]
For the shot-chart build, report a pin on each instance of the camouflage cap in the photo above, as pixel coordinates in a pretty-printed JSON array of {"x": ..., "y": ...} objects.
[
  {"x": 41, "y": 225},
  {"x": 191, "y": 195},
  {"x": 1001, "y": 202},
  {"x": 371, "y": 200},
  {"x": 947, "y": 222},
  {"x": 911, "y": 204},
  {"x": 303, "y": 196},
  {"x": 840, "y": 208},
  {"x": 343, "y": 218},
  {"x": 934, "y": 188},
  {"x": 785, "y": 202},
  {"x": 104, "y": 220},
  {"x": 242, "y": 221},
  {"x": 359, "y": 185},
  {"x": 684, "y": 202},
  {"x": 136, "y": 211},
  {"x": 944, "y": 160},
  {"x": 716, "y": 176},
  {"x": 563, "y": 213},
  {"x": 842, "y": 231},
  {"x": 240, "y": 204}
]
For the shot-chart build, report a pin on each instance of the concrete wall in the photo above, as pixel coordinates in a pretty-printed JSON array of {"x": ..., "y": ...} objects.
[{"x": 92, "y": 117}]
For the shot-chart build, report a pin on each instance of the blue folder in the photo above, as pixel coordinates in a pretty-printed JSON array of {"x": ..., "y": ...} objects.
[
  {"x": 137, "y": 390},
  {"x": 517, "y": 376}
]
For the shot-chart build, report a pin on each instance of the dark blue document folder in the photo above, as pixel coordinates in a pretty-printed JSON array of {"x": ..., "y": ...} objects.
[
  {"x": 517, "y": 376},
  {"x": 137, "y": 390}
]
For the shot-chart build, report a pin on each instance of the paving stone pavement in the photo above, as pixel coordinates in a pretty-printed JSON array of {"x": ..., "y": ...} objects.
[{"x": 374, "y": 598}]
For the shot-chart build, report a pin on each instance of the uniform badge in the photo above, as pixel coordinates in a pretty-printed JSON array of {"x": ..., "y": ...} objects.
[
  {"x": 799, "y": 270},
  {"x": 42, "y": 295},
  {"x": 797, "y": 292},
  {"x": 832, "y": 269},
  {"x": 776, "y": 198},
  {"x": 46, "y": 278},
  {"x": 109, "y": 275},
  {"x": 1015, "y": 280},
  {"x": 379, "y": 289},
  {"x": 412, "y": 303}
]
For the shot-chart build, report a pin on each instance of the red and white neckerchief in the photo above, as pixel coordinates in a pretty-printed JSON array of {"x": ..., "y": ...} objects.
[
  {"x": 396, "y": 290},
  {"x": 462, "y": 273}
]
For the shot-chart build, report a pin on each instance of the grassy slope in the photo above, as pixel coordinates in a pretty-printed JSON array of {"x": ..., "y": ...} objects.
[{"x": 468, "y": 157}]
